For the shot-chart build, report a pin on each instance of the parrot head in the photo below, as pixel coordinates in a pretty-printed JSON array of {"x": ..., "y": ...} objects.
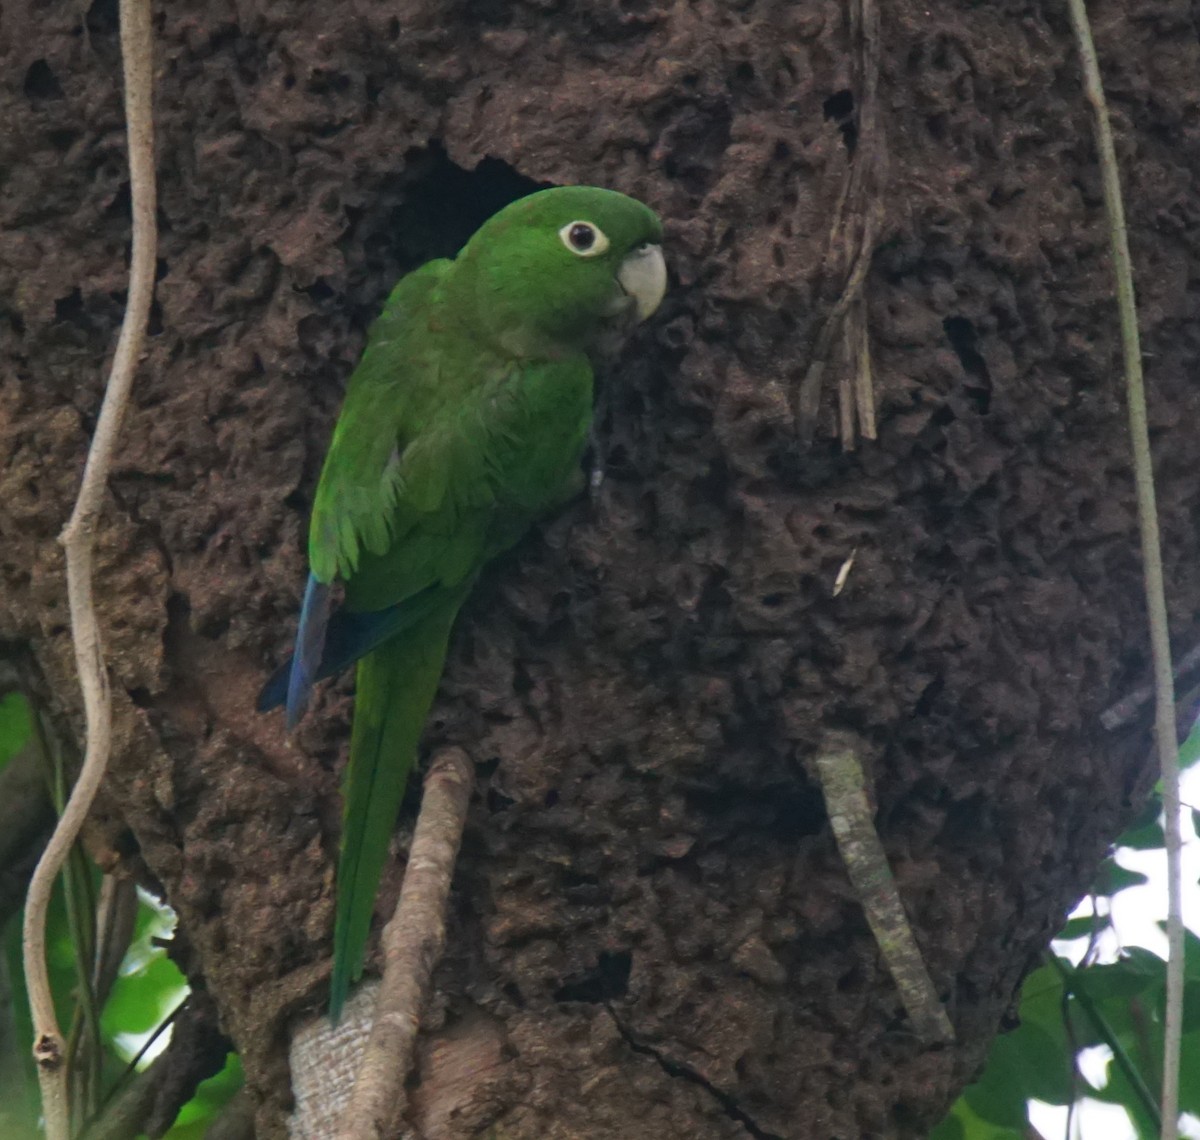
[{"x": 566, "y": 268}]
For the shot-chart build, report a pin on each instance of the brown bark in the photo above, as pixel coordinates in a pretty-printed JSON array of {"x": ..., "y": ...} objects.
[{"x": 650, "y": 915}]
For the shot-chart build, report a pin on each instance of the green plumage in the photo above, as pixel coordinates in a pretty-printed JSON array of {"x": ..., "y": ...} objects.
[{"x": 465, "y": 421}]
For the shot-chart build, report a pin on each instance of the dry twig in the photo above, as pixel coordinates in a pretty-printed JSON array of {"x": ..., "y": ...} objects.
[
  {"x": 412, "y": 945},
  {"x": 844, "y": 784},
  {"x": 855, "y": 230},
  {"x": 1156, "y": 603},
  {"x": 78, "y": 539},
  {"x": 116, "y": 917},
  {"x": 1125, "y": 711}
]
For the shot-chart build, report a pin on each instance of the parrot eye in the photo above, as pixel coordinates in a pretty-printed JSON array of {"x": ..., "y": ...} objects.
[{"x": 583, "y": 239}]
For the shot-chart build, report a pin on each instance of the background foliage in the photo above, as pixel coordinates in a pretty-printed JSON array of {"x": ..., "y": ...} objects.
[
  {"x": 1090, "y": 998},
  {"x": 1093, "y": 1007},
  {"x": 134, "y": 1026}
]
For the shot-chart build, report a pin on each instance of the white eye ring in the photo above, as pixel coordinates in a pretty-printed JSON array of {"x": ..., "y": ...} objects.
[{"x": 584, "y": 239}]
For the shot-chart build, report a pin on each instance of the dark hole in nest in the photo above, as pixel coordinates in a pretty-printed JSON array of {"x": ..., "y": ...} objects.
[
  {"x": 102, "y": 18},
  {"x": 929, "y": 696},
  {"x": 961, "y": 334},
  {"x": 497, "y": 801},
  {"x": 121, "y": 204},
  {"x": 608, "y": 981},
  {"x": 441, "y": 205},
  {"x": 62, "y": 140},
  {"x": 41, "y": 82},
  {"x": 70, "y": 309},
  {"x": 780, "y": 814},
  {"x": 427, "y": 210},
  {"x": 320, "y": 290},
  {"x": 839, "y": 108}
]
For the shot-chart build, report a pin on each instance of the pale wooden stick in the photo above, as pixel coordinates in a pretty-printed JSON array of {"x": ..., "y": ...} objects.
[
  {"x": 864, "y": 384},
  {"x": 78, "y": 539},
  {"x": 412, "y": 945},
  {"x": 860, "y": 196},
  {"x": 844, "y": 784},
  {"x": 846, "y": 387}
]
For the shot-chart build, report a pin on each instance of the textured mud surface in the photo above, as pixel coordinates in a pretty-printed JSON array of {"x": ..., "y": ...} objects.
[{"x": 651, "y": 918}]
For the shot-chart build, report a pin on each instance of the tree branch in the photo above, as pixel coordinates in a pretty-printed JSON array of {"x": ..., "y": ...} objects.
[
  {"x": 116, "y": 918},
  {"x": 844, "y": 785},
  {"x": 1156, "y": 603},
  {"x": 78, "y": 540},
  {"x": 412, "y": 945}
]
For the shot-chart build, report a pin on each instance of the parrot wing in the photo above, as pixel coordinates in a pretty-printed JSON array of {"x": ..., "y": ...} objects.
[
  {"x": 387, "y": 398},
  {"x": 360, "y": 482}
]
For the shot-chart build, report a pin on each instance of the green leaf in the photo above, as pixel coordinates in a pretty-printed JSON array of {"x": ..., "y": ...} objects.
[
  {"x": 1083, "y": 927},
  {"x": 1038, "y": 1064},
  {"x": 1189, "y": 1072},
  {"x": 1135, "y": 973},
  {"x": 1113, "y": 878},
  {"x": 1035, "y": 1061},
  {"x": 1189, "y": 750},
  {"x": 1118, "y": 1090},
  {"x": 1191, "y": 1005},
  {"x": 950, "y": 1129},
  {"x": 1041, "y": 1001},
  {"x": 998, "y": 1098},
  {"x": 211, "y": 1097},
  {"x": 148, "y": 987},
  {"x": 1032, "y": 1061},
  {"x": 16, "y": 725},
  {"x": 1138, "y": 960},
  {"x": 20, "y": 1102},
  {"x": 963, "y": 1124},
  {"x": 1147, "y": 838},
  {"x": 1191, "y": 954},
  {"x": 1145, "y": 831}
]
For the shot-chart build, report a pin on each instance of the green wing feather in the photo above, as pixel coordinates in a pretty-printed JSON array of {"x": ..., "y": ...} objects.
[{"x": 387, "y": 401}]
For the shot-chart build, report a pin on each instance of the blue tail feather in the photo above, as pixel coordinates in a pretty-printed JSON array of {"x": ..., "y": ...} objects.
[
  {"x": 345, "y": 637},
  {"x": 310, "y": 648}
]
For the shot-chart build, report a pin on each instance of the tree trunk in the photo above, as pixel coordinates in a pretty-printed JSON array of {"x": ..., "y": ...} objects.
[{"x": 652, "y": 934}]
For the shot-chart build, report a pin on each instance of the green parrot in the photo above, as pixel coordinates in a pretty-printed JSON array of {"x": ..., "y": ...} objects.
[{"x": 464, "y": 422}]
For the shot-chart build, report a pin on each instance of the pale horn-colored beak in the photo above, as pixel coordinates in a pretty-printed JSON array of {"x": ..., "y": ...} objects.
[{"x": 643, "y": 275}]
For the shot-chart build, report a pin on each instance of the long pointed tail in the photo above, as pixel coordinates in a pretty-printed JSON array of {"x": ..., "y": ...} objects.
[{"x": 396, "y": 685}]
